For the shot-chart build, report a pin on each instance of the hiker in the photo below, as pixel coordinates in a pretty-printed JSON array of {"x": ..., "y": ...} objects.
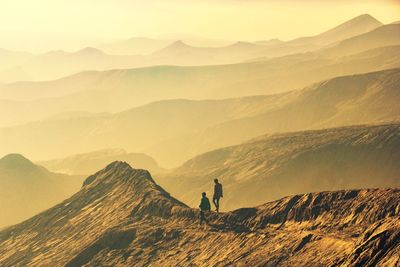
[
  {"x": 217, "y": 194},
  {"x": 204, "y": 206}
]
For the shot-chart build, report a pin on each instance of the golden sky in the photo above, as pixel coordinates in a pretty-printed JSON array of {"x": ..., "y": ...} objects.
[{"x": 39, "y": 25}]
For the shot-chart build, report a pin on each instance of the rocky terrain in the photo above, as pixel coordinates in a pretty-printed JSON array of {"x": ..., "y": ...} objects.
[
  {"x": 274, "y": 166},
  {"x": 120, "y": 217},
  {"x": 27, "y": 188}
]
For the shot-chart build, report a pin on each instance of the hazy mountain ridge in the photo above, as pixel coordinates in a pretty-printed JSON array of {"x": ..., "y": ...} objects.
[
  {"x": 385, "y": 35},
  {"x": 84, "y": 164},
  {"x": 121, "y": 217},
  {"x": 113, "y": 91},
  {"x": 356, "y": 26},
  {"x": 135, "y": 46},
  {"x": 347, "y": 100},
  {"x": 304, "y": 136},
  {"x": 26, "y": 188},
  {"x": 134, "y": 129},
  {"x": 274, "y": 166},
  {"x": 193, "y": 127},
  {"x": 57, "y": 64}
]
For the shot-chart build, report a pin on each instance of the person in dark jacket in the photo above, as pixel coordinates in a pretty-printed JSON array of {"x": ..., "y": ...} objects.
[
  {"x": 204, "y": 206},
  {"x": 217, "y": 194}
]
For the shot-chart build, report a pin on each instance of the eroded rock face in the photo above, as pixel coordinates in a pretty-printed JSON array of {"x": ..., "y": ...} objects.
[{"x": 121, "y": 217}]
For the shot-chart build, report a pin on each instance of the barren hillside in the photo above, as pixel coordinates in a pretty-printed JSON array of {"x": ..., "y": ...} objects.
[{"x": 122, "y": 218}]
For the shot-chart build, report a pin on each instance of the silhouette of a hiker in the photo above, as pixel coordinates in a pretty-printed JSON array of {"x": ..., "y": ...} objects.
[
  {"x": 217, "y": 194},
  {"x": 204, "y": 206}
]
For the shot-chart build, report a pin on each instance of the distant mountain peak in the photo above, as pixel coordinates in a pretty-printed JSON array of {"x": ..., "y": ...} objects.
[
  {"x": 15, "y": 161},
  {"x": 242, "y": 44},
  {"x": 364, "y": 18},
  {"x": 358, "y": 25},
  {"x": 269, "y": 42},
  {"x": 363, "y": 21},
  {"x": 175, "y": 47},
  {"x": 89, "y": 51},
  {"x": 179, "y": 43}
]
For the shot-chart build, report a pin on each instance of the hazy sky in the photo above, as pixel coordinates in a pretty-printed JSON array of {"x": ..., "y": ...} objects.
[{"x": 38, "y": 25}]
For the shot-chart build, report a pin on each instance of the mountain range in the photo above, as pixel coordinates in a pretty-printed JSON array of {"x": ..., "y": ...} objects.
[
  {"x": 18, "y": 66},
  {"x": 304, "y": 136},
  {"x": 191, "y": 127},
  {"x": 121, "y": 217},
  {"x": 27, "y": 189},
  {"x": 356, "y": 26},
  {"x": 117, "y": 90}
]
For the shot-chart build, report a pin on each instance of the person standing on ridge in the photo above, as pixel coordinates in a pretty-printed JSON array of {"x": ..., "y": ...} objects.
[
  {"x": 204, "y": 206},
  {"x": 217, "y": 194}
]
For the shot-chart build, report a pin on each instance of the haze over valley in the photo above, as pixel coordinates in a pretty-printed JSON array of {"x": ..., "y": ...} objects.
[{"x": 114, "y": 126}]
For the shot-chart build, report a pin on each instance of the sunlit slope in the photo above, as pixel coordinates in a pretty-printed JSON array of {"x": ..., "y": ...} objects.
[
  {"x": 26, "y": 188},
  {"x": 271, "y": 167},
  {"x": 121, "y": 217}
]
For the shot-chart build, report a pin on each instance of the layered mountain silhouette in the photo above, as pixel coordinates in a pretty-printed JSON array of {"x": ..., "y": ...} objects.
[
  {"x": 87, "y": 163},
  {"x": 348, "y": 100},
  {"x": 356, "y": 26},
  {"x": 385, "y": 35},
  {"x": 121, "y": 217},
  {"x": 303, "y": 134},
  {"x": 26, "y": 188},
  {"x": 188, "y": 127},
  {"x": 274, "y": 166},
  {"x": 56, "y": 64},
  {"x": 113, "y": 91},
  {"x": 181, "y": 53},
  {"x": 135, "y": 46}
]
